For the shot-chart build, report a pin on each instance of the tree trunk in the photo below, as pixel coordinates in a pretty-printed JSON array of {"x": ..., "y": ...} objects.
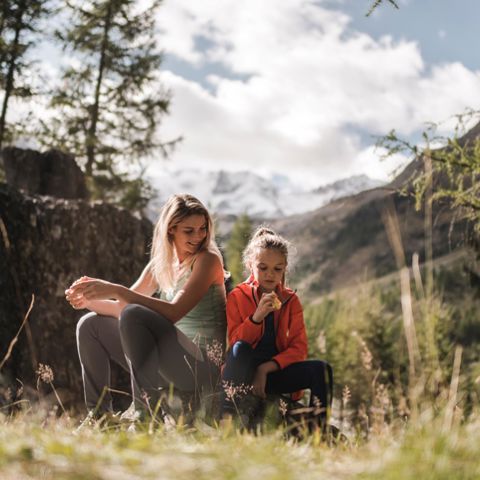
[
  {"x": 92, "y": 132},
  {"x": 10, "y": 74}
]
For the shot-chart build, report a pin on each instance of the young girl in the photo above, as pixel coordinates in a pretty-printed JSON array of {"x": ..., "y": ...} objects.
[
  {"x": 266, "y": 331},
  {"x": 159, "y": 341}
]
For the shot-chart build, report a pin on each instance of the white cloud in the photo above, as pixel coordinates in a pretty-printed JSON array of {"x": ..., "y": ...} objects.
[{"x": 313, "y": 83}]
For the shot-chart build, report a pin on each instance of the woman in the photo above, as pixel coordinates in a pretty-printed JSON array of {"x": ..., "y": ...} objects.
[{"x": 160, "y": 341}]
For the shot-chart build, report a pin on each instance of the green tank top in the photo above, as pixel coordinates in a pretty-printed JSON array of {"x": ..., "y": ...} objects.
[{"x": 207, "y": 321}]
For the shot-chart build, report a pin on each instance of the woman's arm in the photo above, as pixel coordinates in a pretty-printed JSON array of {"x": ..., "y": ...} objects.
[
  {"x": 206, "y": 271},
  {"x": 145, "y": 284},
  {"x": 109, "y": 308}
]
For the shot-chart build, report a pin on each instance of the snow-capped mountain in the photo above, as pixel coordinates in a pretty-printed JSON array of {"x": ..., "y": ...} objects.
[{"x": 235, "y": 193}]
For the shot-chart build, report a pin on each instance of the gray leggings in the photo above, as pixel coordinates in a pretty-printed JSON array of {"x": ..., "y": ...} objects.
[{"x": 150, "y": 347}]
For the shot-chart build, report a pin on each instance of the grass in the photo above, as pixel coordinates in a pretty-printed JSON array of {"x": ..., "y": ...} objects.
[{"x": 42, "y": 446}]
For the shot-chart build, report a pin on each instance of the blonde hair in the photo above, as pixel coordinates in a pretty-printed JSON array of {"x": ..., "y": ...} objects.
[
  {"x": 164, "y": 263},
  {"x": 265, "y": 238}
]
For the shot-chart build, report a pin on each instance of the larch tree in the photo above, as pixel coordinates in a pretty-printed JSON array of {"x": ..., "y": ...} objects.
[
  {"x": 19, "y": 31},
  {"x": 110, "y": 101}
]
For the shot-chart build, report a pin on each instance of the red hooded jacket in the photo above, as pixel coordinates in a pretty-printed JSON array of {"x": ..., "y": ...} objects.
[{"x": 290, "y": 334}]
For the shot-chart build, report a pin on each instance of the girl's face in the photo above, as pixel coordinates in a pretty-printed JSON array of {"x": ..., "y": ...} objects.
[
  {"x": 268, "y": 269},
  {"x": 189, "y": 235}
]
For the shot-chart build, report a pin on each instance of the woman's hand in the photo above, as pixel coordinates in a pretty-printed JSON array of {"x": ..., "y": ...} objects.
[
  {"x": 78, "y": 301},
  {"x": 265, "y": 306},
  {"x": 93, "y": 289}
]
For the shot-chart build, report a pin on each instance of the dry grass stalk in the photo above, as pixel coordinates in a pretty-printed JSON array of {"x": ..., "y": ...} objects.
[
  {"x": 3, "y": 230},
  {"x": 322, "y": 342},
  {"x": 15, "y": 338},
  {"x": 452, "y": 394},
  {"x": 394, "y": 236},
  {"x": 417, "y": 275}
]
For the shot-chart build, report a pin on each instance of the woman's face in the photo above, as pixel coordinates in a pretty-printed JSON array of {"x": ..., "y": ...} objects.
[
  {"x": 268, "y": 269},
  {"x": 188, "y": 235}
]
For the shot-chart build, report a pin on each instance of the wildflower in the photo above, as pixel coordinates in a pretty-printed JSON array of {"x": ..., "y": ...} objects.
[
  {"x": 44, "y": 373},
  {"x": 231, "y": 390},
  {"x": 365, "y": 354},
  {"x": 346, "y": 396},
  {"x": 317, "y": 405},
  {"x": 215, "y": 353},
  {"x": 282, "y": 407}
]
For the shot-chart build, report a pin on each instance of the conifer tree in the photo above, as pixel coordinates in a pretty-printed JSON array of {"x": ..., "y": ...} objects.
[
  {"x": 19, "y": 29},
  {"x": 241, "y": 232},
  {"x": 110, "y": 101}
]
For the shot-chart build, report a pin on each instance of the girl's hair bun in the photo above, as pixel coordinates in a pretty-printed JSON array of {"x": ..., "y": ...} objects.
[{"x": 263, "y": 231}]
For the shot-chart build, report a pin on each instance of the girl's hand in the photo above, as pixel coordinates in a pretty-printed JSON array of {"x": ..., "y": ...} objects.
[
  {"x": 265, "y": 306},
  {"x": 94, "y": 289},
  {"x": 260, "y": 377}
]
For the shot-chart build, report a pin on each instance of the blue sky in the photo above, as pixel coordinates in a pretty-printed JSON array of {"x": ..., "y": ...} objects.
[
  {"x": 303, "y": 87},
  {"x": 446, "y": 30}
]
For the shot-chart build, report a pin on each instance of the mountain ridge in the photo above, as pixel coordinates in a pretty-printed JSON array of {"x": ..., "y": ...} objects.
[{"x": 235, "y": 193}]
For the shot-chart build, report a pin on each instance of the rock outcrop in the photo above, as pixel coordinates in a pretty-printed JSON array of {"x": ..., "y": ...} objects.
[
  {"x": 45, "y": 244},
  {"x": 44, "y": 173}
]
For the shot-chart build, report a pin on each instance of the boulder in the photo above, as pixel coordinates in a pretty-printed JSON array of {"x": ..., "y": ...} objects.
[
  {"x": 52, "y": 173},
  {"x": 45, "y": 244}
]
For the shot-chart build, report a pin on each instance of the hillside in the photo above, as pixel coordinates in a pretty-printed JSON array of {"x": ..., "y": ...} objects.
[{"x": 345, "y": 242}]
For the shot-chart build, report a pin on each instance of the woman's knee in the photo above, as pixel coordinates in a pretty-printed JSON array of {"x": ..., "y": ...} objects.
[
  {"x": 130, "y": 315},
  {"x": 86, "y": 325},
  {"x": 134, "y": 315}
]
